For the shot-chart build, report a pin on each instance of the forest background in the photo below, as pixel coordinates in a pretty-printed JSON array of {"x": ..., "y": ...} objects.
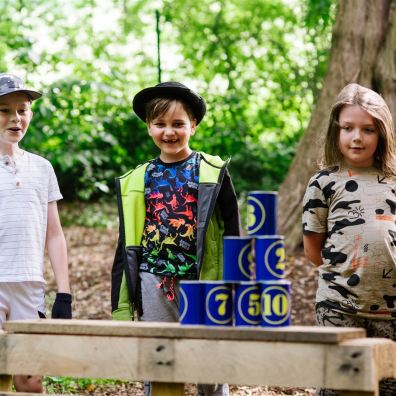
[
  {"x": 269, "y": 71},
  {"x": 258, "y": 64}
]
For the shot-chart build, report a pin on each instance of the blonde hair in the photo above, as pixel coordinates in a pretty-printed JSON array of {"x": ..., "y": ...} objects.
[
  {"x": 373, "y": 104},
  {"x": 159, "y": 106}
]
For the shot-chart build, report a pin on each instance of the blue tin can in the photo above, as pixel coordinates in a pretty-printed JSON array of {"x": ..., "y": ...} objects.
[
  {"x": 191, "y": 307},
  {"x": 238, "y": 264},
  {"x": 247, "y": 306},
  {"x": 270, "y": 257},
  {"x": 262, "y": 207},
  {"x": 275, "y": 303},
  {"x": 218, "y": 303}
]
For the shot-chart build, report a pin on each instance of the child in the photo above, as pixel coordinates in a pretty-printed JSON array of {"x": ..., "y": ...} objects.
[
  {"x": 174, "y": 211},
  {"x": 29, "y": 220},
  {"x": 349, "y": 217}
]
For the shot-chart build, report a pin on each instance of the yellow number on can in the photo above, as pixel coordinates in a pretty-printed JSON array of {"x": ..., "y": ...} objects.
[
  {"x": 275, "y": 305},
  {"x": 280, "y": 253},
  {"x": 254, "y": 304},
  {"x": 223, "y": 297}
]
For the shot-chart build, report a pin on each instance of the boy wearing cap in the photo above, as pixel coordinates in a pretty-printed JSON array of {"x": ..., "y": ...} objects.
[
  {"x": 174, "y": 211},
  {"x": 29, "y": 220}
]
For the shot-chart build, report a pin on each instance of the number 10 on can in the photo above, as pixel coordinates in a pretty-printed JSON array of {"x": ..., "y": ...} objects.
[{"x": 275, "y": 303}]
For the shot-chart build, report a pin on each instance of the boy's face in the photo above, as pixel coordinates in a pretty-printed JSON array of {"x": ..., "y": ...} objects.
[
  {"x": 15, "y": 116},
  {"x": 171, "y": 133}
]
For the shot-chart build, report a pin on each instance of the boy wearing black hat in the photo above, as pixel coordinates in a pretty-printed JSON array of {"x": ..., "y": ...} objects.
[
  {"x": 174, "y": 211},
  {"x": 29, "y": 220}
]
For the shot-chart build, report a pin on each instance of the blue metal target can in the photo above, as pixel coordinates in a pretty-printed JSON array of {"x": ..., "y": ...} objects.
[
  {"x": 191, "y": 306},
  {"x": 218, "y": 303},
  {"x": 238, "y": 264},
  {"x": 262, "y": 207},
  {"x": 247, "y": 305},
  {"x": 270, "y": 257},
  {"x": 275, "y": 303}
]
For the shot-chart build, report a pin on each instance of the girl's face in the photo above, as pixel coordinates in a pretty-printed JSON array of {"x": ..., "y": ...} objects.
[{"x": 358, "y": 138}]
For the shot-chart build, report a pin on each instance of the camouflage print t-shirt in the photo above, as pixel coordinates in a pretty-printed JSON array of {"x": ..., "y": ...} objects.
[
  {"x": 170, "y": 232},
  {"x": 356, "y": 208}
]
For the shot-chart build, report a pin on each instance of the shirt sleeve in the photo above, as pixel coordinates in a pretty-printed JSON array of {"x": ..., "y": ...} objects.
[
  {"x": 54, "y": 193},
  {"x": 315, "y": 208}
]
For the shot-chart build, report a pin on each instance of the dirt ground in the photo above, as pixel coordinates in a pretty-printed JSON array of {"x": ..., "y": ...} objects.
[{"x": 91, "y": 254}]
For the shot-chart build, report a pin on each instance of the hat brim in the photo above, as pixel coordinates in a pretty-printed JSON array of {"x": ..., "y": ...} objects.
[
  {"x": 33, "y": 95},
  {"x": 194, "y": 101}
]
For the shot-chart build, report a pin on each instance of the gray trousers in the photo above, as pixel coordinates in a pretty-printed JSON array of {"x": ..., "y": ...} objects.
[{"x": 157, "y": 308}]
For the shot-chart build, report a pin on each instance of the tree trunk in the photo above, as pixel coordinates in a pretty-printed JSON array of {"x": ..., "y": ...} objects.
[{"x": 363, "y": 51}]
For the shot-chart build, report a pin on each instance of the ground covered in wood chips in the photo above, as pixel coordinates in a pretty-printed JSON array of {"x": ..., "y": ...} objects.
[{"x": 91, "y": 253}]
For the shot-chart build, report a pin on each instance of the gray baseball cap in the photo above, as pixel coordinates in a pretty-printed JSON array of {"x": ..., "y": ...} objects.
[{"x": 10, "y": 83}]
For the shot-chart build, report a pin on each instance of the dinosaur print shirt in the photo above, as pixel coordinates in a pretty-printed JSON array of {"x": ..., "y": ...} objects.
[
  {"x": 170, "y": 232},
  {"x": 356, "y": 208}
]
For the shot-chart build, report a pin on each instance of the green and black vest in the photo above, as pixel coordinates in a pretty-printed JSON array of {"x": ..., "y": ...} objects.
[{"x": 132, "y": 211}]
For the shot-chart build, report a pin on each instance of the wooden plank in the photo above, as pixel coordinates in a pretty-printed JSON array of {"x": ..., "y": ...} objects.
[
  {"x": 175, "y": 360},
  {"x": 393, "y": 352},
  {"x": 206, "y": 361},
  {"x": 74, "y": 356},
  {"x": 3, "y": 352},
  {"x": 20, "y": 394},
  {"x": 366, "y": 361},
  {"x": 309, "y": 334},
  {"x": 250, "y": 362},
  {"x": 5, "y": 380},
  {"x": 157, "y": 359}
]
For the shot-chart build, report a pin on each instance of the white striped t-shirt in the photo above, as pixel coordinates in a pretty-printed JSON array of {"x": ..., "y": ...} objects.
[{"x": 25, "y": 190}]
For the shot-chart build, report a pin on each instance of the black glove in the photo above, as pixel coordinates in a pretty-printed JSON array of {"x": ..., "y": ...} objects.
[{"x": 62, "y": 306}]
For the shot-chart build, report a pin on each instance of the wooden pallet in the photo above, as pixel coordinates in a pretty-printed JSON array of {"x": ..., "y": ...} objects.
[{"x": 170, "y": 354}]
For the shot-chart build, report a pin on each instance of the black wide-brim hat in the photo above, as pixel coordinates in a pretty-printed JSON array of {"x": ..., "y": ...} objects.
[
  {"x": 10, "y": 83},
  {"x": 169, "y": 89}
]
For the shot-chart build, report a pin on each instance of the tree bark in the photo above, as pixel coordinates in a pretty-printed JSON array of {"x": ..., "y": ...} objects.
[{"x": 363, "y": 51}]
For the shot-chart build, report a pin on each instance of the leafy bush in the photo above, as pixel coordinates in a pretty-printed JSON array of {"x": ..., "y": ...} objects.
[
  {"x": 89, "y": 135},
  {"x": 98, "y": 214},
  {"x": 259, "y": 66}
]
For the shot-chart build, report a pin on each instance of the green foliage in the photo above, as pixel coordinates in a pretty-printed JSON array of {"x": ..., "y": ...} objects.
[
  {"x": 15, "y": 38},
  {"x": 319, "y": 16},
  {"x": 99, "y": 214},
  {"x": 76, "y": 385},
  {"x": 259, "y": 66},
  {"x": 259, "y": 74},
  {"x": 257, "y": 167},
  {"x": 86, "y": 132}
]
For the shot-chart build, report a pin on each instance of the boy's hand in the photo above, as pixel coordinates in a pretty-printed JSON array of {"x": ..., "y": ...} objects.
[{"x": 62, "y": 306}]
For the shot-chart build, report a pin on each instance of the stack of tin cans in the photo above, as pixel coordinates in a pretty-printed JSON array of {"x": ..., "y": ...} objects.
[{"x": 253, "y": 291}]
